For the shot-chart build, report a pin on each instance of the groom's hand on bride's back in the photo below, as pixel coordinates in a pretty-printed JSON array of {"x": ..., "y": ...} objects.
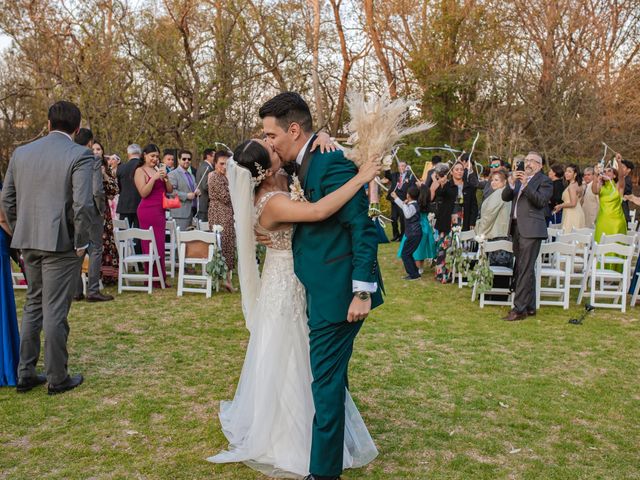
[{"x": 359, "y": 309}]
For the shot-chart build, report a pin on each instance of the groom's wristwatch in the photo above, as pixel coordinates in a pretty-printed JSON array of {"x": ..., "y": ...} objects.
[{"x": 364, "y": 296}]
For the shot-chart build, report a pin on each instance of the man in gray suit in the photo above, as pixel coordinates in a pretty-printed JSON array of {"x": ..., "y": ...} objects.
[
  {"x": 184, "y": 185},
  {"x": 202, "y": 177},
  {"x": 85, "y": 137},
  {"x": 529, "y": 196},
  {"x": 48, "y": 199}
]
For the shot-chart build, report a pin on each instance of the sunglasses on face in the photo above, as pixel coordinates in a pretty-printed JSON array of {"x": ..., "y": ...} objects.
[
  {"x": 188, "y": 159},
  {"x": 494, "y": 165}
]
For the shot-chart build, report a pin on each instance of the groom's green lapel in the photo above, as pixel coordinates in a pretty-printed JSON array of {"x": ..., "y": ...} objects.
[{"x": 306, "y": 162}]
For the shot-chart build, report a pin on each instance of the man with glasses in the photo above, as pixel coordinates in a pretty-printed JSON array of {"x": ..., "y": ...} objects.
[
  {"x": 529, "y": 196},
  {"x": 184, "y": 186}
]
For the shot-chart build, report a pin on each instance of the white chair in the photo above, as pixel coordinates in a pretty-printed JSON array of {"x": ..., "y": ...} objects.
[
  {"x": 555, "y": 226},
  {"x": 552, "y": 233},
  {"x": 561, "y": 266},
  {"x": 607, "y": 282},
  {"x": 170, "y": 247},
  {"x": 18, "y": 281},
  {"x": 632, "y": 226},
  {"x": 623, "y": 240},
  {"x": 84, "y": 276},
  {"x": 152, "y": 258},
  {"x": 466, "y": 240},
  {"x": 498, "y": 271},
  {"x": 123, "y": 224},
  {"x": 120, "y": 224},
  {"x": 584, "y": 231},
  {"x": 580, "y": 270},
  {"x": 203, "y": 225},
  {"x": 200, "y": 282}
]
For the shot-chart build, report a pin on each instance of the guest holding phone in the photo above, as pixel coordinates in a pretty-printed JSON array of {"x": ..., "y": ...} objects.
[{"x": 152, "y": 183}]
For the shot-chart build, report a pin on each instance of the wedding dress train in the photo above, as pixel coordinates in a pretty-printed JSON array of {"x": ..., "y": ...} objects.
[{"x": 268, "y": 423}]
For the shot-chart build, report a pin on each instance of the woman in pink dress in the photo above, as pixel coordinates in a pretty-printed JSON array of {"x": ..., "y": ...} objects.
[{"x": 151, "y": 182}]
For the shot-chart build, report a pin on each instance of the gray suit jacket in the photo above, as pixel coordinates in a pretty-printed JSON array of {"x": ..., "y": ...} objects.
[
  {"x": 99, "y": 199},
  {"x": 531, "y": 205},
  {"x": 203, "y": 200},
  {"x": 181, "y": 188},
  {"x": 48, "y": 194}
]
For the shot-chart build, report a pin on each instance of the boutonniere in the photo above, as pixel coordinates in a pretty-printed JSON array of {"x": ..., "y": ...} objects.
[{"x": 297, "y": 192}]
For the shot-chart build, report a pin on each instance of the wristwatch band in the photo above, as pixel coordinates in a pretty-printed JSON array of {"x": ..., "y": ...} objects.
[{"x": 362, "y": 295}]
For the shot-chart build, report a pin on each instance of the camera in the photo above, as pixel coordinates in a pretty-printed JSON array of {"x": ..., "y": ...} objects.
[{"x": 520, "y": 166}]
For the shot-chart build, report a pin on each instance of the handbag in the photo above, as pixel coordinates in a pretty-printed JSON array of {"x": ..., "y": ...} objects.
[{"x": 170, "y": 202}]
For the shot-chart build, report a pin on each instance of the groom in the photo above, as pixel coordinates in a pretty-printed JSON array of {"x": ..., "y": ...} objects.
[{"x": 336, "y": 261}]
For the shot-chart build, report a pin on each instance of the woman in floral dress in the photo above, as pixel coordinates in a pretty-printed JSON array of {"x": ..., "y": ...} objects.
[
  {"x": 221, "y": 211},
  {"x": 110, "y": 260}
]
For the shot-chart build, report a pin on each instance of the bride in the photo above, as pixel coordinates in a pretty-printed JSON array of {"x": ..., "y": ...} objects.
[{"x": 268, "y": 423}]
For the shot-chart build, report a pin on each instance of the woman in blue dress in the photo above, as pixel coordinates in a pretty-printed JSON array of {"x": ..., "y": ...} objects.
[{"x": 9, "y": 337}]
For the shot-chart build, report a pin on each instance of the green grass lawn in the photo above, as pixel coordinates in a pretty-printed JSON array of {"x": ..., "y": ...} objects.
[{"x": 448, "y": 390}]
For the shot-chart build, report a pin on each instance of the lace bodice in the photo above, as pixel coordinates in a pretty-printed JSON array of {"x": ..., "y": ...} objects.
[{"x": 280, "y": 239}]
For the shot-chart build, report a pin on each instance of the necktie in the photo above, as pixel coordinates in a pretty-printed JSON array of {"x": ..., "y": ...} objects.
[{"x": 192, "y": 186}]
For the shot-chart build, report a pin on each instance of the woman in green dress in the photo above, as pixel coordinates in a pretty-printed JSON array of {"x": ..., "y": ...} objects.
[{"x": 609, "y": 187}]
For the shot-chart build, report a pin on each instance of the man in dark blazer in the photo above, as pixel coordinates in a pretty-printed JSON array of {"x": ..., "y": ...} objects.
[
  {"x": 529, "y": 196},
  {"x": 129, "y": 198},
  {"x": 399, "y": 182},
  {"x": 48, "y": 200}
]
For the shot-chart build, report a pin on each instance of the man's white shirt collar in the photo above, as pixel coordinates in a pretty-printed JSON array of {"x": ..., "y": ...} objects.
[
  {"x": 63, "y": 133},
  {"x": 301, "y": 152}
]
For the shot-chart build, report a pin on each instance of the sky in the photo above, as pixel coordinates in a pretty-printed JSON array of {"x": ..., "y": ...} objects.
[{"x": 4, "y": 41}]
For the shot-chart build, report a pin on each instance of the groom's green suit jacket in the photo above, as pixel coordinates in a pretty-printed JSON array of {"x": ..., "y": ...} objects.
[{"x": 329, "y": 255}]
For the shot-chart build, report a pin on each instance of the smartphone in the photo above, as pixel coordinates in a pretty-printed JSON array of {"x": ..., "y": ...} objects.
[{"x": 520, "y": 166}]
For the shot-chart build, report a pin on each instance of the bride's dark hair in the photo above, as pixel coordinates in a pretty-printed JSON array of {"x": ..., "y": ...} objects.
[{"x": 250, "y": 154}]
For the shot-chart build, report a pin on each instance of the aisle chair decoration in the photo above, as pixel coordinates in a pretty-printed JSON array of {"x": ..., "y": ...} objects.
[
  {"x": 455, "y": 258},
  {"x": 481, "y": 276},
  {"x": 217, "y": 268}
]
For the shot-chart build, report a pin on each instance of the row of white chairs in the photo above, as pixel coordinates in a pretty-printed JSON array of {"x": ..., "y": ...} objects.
[
  {"x": 571, "y": 261},
  {"x": 197, "y": 281}
]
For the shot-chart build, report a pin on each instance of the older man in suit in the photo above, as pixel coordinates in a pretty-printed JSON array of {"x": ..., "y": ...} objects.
[
  {"x": 529, "y": 196},
  {"x": 184, "y": 185},
  {"x": 129, "y": 198},
  {"x": 48, "y": 199}
]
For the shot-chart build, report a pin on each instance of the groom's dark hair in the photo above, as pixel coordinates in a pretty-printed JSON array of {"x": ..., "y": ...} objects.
[{"x": 287, "y": 108}]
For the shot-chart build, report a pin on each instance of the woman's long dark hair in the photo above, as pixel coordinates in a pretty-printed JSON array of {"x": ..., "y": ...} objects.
[
  {"x": 576, "y": 170},
  {"x": 104, "y": 161},
  {"x": 150, "y": 148},
  {"x": 250, "y": 154}
]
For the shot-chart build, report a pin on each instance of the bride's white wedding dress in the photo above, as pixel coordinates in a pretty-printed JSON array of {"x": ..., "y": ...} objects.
[{"x": 268, "y": 423}]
